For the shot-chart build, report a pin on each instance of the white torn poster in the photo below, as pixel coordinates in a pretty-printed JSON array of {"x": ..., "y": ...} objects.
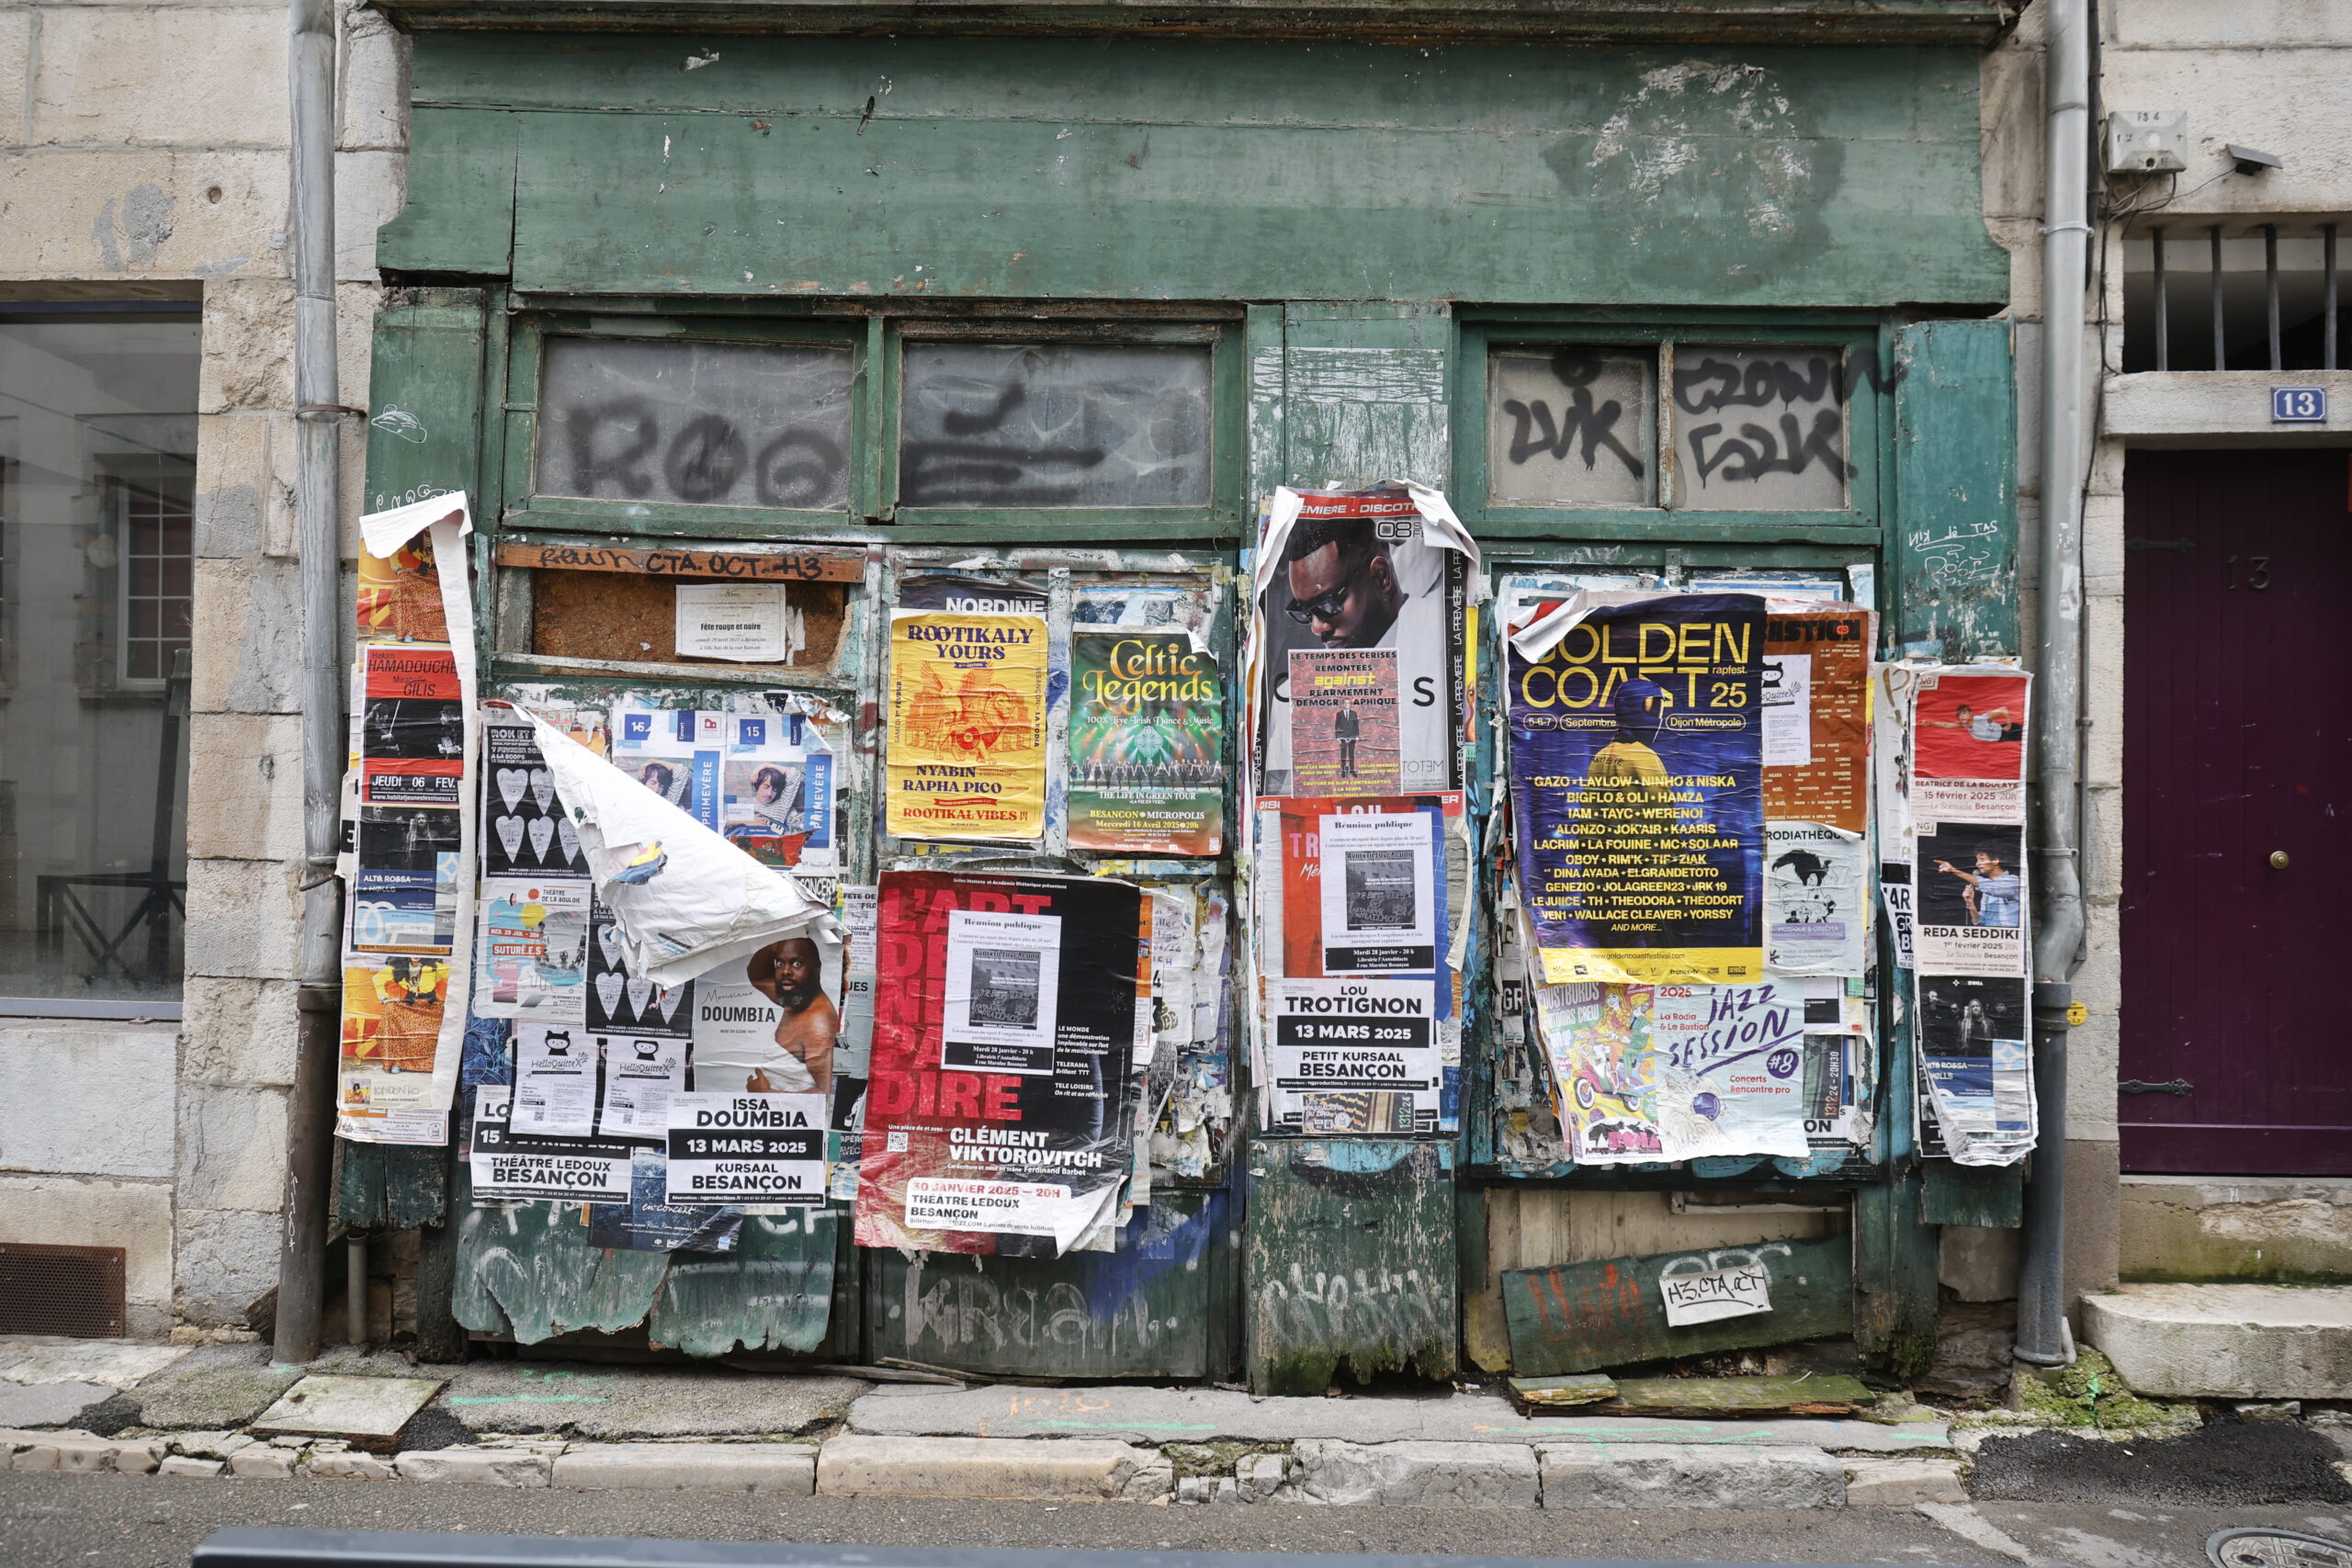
[
  {"x": 1378, "y": 893},
  {"x": 1714, "y": 1295},
  {"x": 1816, "y": 900},
  {"x": 642, "y": 1072},
  {"x": 1731, "y": 1067},
  {"x": 747, "y": 1148},
  {"x": 555, "y": 1081},
  {"x": 1002, "y": 993},
  {"x": 684, "y": 900},
  {"x": 1787, "y": 710},
  {"x": 746, "y": 622}
]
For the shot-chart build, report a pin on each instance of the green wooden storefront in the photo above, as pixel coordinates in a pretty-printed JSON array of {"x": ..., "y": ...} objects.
[{"x": 1360, "y": 220}]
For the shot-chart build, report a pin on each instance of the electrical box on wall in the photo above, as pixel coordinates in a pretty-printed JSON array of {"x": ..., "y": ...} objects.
[{"x": 2142, "y": 141}]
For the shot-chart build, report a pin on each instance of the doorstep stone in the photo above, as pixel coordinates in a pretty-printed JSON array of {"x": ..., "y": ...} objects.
[
  {"x": 352, "y": 1467},
  {"x": 181, "y": 1464},
  {"x": 786, "y": 1469},
  {"x": 477, "y": 1466},
  {"x": 1007, "y": 1469},
  {"x": 1436, "y": 1476},
  {"x": 1689, "y": 1475},
  {"x": 2271, "y": 1342},
  {"x": 1902, "y": 1482}
]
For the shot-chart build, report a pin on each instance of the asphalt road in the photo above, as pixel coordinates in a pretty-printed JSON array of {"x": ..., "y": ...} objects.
[{"x": 121, "y": 1521}]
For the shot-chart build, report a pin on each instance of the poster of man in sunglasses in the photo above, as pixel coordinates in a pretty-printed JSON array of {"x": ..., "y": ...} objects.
[{"x": 1354, "y": 571}]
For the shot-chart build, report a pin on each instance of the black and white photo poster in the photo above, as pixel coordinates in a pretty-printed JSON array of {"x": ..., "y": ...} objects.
[
  {"x": 1379, "y": 893},
  {"x": 1003, "y": 978}
]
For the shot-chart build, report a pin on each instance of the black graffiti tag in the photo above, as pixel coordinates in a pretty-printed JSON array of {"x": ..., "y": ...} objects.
[
  {"x": 1534, "y": 430},
  {"x": 1755, "y": 452},
  {"x": 704, "y": 462}
]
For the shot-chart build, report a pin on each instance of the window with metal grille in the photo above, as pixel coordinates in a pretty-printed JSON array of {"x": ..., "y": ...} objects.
[{"x": 2232, "y": 295}]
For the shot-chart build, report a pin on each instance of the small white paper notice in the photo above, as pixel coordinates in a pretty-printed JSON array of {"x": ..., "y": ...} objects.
[
  {"x": 1717, "y": 1294},
  {"x": 743, "y": 621}
]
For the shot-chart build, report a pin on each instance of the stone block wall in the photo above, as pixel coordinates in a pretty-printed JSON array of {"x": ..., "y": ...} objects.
[{"x": 143, "y": 154}]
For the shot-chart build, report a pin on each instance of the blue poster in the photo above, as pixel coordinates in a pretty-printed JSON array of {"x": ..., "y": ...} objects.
[{"x": 1637, "y": 793}]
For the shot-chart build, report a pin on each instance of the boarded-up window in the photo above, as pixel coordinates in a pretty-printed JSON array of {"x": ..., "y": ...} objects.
[
  {"x": 1759, "y": 429},
  {"x": 1054, "y": 425},
  {"x": 1572, "y": 426},
  {"x": 702, "y": 423}
]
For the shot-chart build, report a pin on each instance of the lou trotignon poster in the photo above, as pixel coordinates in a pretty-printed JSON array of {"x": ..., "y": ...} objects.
[
  {"x": 1001, "y": 1102},
  {"x": 1146, "y": 743},
  {"x": 1356, "y": 1056},
  {"x": 967, "y": 678},
  {"x": 1360, "y": 617},
  {"x": 507, "y": 1164},
  {"x": 1636, "y": 770}
]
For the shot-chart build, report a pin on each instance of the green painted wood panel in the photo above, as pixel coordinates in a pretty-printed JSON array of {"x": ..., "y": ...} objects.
[
  {"x": 1349, "y": 1261},
  {"x": 1582, "y": 1318},
  {"x": 1365, "y": 393},
  {"x": 1894, "y": 1269},
  {"x": 1972, "y": 1194},
  {"x": 775, "y": 1291},
  {"x": 1161, "y": 1306},
  {"x": 459, "y": 215},
  {"x": 1175, "y": 169},
  {"x": 527, "y": 1270},
  {"x": 390, "y": 1187},
  {"x": 1953, "y": 548}
]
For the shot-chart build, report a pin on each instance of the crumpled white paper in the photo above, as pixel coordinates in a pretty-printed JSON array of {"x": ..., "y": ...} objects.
[{"x": 685, "y": 899}]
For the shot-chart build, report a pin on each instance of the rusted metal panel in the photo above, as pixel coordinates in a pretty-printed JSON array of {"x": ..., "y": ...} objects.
[
  {"x": 775, "y": 1291},
  {"x": 1350, "y": 1261},
  {"x": 1580, "y": 1317},
  {"x": 1555, "y": 22},
  {"x": 1161, "y": 1306}
]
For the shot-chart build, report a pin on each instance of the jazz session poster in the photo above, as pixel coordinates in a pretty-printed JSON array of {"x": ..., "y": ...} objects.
[
  {"x": 969, "y": 664},
  {"x": 1007, "y": 1013},
  {"x": 1637, "y": 791}
]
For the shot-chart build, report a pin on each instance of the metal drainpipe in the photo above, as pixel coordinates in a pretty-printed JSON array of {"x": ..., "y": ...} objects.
[
  {"x": 2042, "y": 1337},
  {"x": 309, "y": 1111}
]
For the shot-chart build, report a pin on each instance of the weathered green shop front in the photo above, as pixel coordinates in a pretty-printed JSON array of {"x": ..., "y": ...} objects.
[{"x": 1502, "y": 254}]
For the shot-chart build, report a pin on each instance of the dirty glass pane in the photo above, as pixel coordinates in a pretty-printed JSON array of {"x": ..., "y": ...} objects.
[
  {"x": 702, "y": 423},
  {"x": 1054, "y": 424},
  {"x": 1759, "y": 430},
  {"x": 97, "y": 467},
  {"x": 1571, "y": 426}
]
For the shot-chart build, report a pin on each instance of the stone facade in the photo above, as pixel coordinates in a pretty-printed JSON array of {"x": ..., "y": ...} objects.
[{"x": 143, "y": 155}]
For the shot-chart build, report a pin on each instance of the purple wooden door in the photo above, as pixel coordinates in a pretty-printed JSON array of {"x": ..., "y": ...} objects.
[{"x": 2237, "y": 749}]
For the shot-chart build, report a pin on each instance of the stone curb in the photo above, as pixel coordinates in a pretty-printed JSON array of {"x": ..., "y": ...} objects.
[{"x": 1317, "y": 1470}]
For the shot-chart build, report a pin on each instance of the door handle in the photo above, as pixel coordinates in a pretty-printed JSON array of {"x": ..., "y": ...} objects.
[
  {"x": 2277, "y": 860},
  {"x": 2135, "y": 1085}
]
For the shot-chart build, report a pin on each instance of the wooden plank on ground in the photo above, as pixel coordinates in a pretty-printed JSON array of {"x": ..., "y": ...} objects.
[
  {"x": 1706, "y": 1398},
  {"x": 1536, "y": 1394},
  {"x": 1577, "y": 1317}
]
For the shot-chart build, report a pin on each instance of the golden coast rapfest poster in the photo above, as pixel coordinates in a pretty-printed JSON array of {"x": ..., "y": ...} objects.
[{"x": 968, "y": 723}]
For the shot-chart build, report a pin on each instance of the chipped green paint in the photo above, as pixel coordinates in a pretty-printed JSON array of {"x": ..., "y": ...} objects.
[
  {"x": 1162, "y": 169},
  {"x": 1953, "y": 550},
  {"x": 775, "y": 1291}
]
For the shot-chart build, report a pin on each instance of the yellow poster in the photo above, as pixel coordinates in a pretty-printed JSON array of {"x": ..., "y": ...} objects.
[{"x": 967, "y": 725}]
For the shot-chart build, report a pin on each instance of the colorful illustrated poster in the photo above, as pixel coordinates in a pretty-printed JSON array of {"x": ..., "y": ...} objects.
[
  {"x": 1816, "y": 716},
  {"x": 533, "y": 956},
  {"x": 1637, "y": 791},
  {"x": 1816, "y": 898},
  {"x": 1356, "y": 571},
  {"x": 399, "y": 596},
  {"x": 1345, "y": 738},
  {"x": 1146, "y": 743},
  {"x": 1968, "y": 730},
  {"x": 1356, "y": 1056},
  {"x": 1596, "y": 1040},
  {"x": 968, "y": 712},
  {"x": 996, "y": 1156},
  {"x": 1731, "y": 1070},
  {"x": 1970, "y": 894}
]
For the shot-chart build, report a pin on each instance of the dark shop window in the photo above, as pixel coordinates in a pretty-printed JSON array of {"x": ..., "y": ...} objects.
[{"x": 97, "y": 462}]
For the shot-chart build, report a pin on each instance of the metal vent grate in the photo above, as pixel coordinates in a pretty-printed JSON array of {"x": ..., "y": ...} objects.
[{"x": 72, "y": 1291}]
